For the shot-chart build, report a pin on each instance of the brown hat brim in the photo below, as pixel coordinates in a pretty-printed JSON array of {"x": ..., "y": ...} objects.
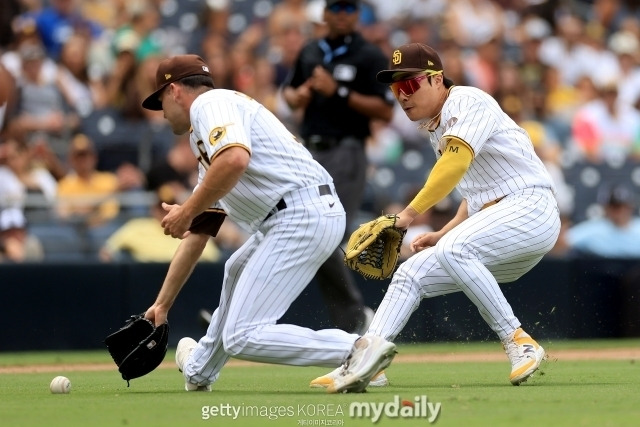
[
  {"x": 386, "y": 76},
  {"x": 152, "y": 102}
]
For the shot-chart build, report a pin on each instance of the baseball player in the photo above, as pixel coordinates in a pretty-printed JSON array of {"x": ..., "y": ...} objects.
[
  {"x": 507, "y": 221},
  {"x": 252, "y": 167}
]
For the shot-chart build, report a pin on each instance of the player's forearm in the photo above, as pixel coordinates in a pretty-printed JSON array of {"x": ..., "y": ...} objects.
[
  {"x": 221, "y": 176},
  {"x": 181, "y": 267},
  {"x": 460, "y": 216}
]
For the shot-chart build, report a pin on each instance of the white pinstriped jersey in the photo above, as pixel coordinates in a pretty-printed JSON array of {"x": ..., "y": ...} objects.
[
  {"x": 223, "y": 118},
  {"x": 504, "y": 160}
]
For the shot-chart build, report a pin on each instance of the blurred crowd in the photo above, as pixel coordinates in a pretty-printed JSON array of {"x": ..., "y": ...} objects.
[{"x": 81, "y": 162}]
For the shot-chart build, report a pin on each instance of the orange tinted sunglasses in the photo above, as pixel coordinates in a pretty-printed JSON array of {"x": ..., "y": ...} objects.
[{"x": 410, "y": 86}]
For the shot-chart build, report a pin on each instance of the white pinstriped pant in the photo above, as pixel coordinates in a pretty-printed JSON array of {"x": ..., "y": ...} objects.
[
  {"x": 496, "y": 245},
  {"x": 262, "y": 279}
]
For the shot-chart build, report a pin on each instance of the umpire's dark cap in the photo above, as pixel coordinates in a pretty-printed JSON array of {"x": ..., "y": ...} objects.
[
  {"x": 411, "y": 58},
  {"x": 353, "y": 2},
  {"x": 171, "y": 70}
]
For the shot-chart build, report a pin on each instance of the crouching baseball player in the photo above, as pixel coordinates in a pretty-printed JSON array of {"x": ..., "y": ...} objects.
[
  {"x": 252, "y": 167},
  {"x": 507, "y": 221}
]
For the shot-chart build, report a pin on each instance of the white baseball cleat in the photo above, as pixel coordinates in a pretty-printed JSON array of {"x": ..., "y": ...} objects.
[
  {"x": 378, "y": 380},
  {"x": 183, "y": 351},
  {"x": 525, "y": 355},
  {"x": 370, "y": 355}
]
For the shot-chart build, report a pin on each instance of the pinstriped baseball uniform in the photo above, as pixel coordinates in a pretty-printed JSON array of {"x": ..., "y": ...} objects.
[
  {"x": 304, "y": 223},
  {"x": 497, "y": 244}
]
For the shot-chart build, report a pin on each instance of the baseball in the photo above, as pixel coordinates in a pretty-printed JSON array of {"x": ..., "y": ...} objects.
[{"x": 60, "y": 385}]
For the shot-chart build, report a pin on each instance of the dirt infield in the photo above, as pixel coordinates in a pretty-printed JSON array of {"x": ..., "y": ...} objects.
[{"x": 630, "y": 354}]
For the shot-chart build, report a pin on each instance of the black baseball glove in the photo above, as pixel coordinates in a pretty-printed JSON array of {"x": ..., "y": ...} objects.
[{"x": 138, "y": 347}]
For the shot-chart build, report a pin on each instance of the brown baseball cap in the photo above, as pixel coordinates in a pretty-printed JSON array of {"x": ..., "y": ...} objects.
[
  {"x": 411, "y": 58},
  {"x": 171, "y": 70}
]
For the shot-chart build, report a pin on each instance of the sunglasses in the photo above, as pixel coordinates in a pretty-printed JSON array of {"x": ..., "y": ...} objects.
[
  {"x": 339, "y": 7},
  {"x": 410, "y": 86}
]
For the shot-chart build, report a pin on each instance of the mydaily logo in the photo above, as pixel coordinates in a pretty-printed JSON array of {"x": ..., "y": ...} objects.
[{"x": 419, "y": 407}]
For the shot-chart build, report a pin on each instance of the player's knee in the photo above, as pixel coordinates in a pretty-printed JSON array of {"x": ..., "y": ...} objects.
[
  {"x": 403, "y": 282},
  {"x": 233, "y": 341},
  {"x": 447, "y": 251}
]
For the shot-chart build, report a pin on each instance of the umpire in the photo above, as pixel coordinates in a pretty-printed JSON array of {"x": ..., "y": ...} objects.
[{"x": 334, "y": 81}]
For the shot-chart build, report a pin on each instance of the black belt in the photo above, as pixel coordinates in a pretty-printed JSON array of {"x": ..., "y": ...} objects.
[
  {"x": 321, "y": 142},
  {"x": 323, "y": 189}
]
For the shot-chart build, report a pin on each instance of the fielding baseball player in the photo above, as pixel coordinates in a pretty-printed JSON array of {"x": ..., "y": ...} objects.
[
  {"x": 254, "y": 169},
  {"x": 507, "y": 221}
]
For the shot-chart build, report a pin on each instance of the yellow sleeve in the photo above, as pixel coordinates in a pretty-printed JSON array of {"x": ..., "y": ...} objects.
[{"x": 444, "y": 176}]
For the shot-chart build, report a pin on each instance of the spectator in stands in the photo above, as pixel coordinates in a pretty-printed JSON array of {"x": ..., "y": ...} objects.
[
  {"x": 143, "y": 19},
  {"x": 59, "y": 21},
  {"x": 34, "y": 179},
  {"x": 16, "y": 244},
  {"x": 616, "y": 234},
  {"x": 121, "y": 78},
  {"x": 12, "y": 191},
  {"x": 314, "y": 12},
  {"x": 143, "y": 239},
  {"x": 26, "y": 33},
  {"x": 86, "y": 194},
  {"x": 626, "y": 46},
  {"x": 566, "y": 51},
  {"x": 43, "y": 156},
  {"x": 288, "y": 13},
  {"x": 81, "y": 90},
  {"x": 471, "y": 21},
  {"x": 7, "y": 93},
  {"x": 215, "y": 49},
  {"x": 533, "y": 30},
  {"x": 604, "y": 130},
  {"x": 41, "y": 110},
  {"x": 289, "y": 28}
]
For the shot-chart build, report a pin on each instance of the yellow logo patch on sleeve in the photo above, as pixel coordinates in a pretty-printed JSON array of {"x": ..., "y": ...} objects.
[{"x": 217, "y": 134}]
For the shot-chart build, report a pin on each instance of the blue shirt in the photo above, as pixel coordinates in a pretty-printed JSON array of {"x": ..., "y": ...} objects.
[
  {"x": 602, "y": 237},
  {"x": 55, "y": 29}
]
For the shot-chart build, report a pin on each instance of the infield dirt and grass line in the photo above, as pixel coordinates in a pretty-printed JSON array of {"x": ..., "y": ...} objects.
[
  {"x": 628, "y": 353},
  {"x": 594, "y": 383}
]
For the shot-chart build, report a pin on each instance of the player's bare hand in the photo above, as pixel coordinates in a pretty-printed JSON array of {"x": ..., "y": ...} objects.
[
  {"x": 322, "y": 82},
  {"x": 175, "y": 223},
  {"x": 156, "y": 314},
  {"x": 425, "y": 240},
  {"x": 403, "y": 221}
]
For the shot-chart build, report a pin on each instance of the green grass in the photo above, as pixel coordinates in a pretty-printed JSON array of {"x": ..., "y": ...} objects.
[{"x": 564, "y": 393}]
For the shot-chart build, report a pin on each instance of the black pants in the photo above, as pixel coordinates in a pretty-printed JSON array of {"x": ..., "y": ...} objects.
[{"x": 347, "y": 164}]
